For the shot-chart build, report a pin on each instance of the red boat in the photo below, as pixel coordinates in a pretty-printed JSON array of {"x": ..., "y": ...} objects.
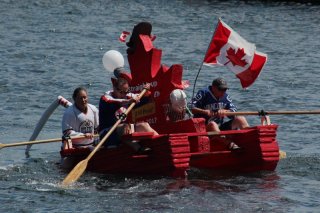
[{"x": 183, "y": 144}]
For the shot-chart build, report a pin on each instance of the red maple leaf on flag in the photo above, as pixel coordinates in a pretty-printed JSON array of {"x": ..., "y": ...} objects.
[{"x": 236, "y": 57}]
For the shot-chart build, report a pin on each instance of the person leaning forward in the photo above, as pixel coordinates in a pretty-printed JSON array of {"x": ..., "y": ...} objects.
[
  {"x": 112, "y": 105},
  {"x": 212, "y": 103}
]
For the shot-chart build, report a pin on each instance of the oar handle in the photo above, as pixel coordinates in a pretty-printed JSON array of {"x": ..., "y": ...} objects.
[
  {"x": 263, "y": 113},
  {"x": 39, "y": 141}
]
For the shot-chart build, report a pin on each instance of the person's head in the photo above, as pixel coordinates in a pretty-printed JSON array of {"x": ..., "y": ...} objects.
[
  {"x": 178, "y": 100},
  {"x": 120, "y": 87},
  {"x": 177, "y": 105},
  {"x": 80, "y": 98},
  {"x": 120, "y": 72},
  {"x": 219, "y": 87}
]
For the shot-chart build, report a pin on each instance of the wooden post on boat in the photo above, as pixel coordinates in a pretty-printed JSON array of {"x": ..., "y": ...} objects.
[{"x": 79, "y": 169}]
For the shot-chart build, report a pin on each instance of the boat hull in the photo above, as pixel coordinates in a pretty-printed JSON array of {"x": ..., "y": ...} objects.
[
  {"x": 170, "y": 156},
  {"x": 259, "y": 150},
  {"x": 187, "y": 146}
]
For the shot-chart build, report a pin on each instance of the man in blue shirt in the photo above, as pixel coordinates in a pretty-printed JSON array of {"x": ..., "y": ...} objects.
[{"x": 212, "y": 103}]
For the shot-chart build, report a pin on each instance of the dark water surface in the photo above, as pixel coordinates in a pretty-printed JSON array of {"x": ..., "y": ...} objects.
[{"x": 47, "y": 48}]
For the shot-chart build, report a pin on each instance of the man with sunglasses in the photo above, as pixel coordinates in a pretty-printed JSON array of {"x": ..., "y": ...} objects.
[
  {"x": 112, "y": 104},
  {"x": 212, "y": 103}
]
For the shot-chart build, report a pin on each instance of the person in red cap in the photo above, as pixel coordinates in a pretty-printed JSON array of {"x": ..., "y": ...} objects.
[
  {"x": 112, "y": 105},
  {"x": 212, "y": 103}
]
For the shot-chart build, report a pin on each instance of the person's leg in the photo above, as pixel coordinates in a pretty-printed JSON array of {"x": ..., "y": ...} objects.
[
  {"x": 212, "y": 126},
  {"x": 228, "y": 142},
  {"x": 144, "y": 127},
  {"x": 239, "y": 122},
  {"x": 113, "y": 140},
  {"x": 123, "y": 129}
]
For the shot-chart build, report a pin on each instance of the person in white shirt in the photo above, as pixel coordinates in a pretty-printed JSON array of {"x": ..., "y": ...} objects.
[{"x": 81, "y": 119}]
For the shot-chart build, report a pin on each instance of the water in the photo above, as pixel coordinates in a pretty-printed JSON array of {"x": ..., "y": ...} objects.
[{"x": 48, "y": 48}]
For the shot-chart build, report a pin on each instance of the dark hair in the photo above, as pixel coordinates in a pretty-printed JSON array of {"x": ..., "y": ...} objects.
[
  {"x": 116, "y": 82},
  {"x": 77, "y": 91}
]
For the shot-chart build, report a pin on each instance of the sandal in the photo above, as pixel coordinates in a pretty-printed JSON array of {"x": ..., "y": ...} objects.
[
  {"x": 232, "y": 146},
  {"x": 144, "y": 151}
]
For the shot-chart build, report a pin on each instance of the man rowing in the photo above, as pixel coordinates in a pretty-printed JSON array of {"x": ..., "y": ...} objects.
[
  {"x": 212, "y": 103},
  {"x": 80, "y": 119},
  {"x": 112, "y": 105}
]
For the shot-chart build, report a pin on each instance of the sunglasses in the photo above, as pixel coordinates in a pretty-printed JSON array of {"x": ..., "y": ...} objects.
[{"x": 122, "y": 91}]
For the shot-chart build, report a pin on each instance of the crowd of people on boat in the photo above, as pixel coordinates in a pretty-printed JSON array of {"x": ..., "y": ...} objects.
[
  {"x": 211, "y": 103},
  {"x": 82, "y": 118}
]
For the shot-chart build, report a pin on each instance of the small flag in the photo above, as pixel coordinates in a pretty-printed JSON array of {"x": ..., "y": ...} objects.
[
  {"x": 185, "y": 84},
  {"x": 228, "y": 48},
  {"x": 124, "y": 36}
]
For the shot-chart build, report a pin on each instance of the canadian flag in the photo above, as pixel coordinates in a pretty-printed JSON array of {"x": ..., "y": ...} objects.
[{"x": 228, "y": 48}]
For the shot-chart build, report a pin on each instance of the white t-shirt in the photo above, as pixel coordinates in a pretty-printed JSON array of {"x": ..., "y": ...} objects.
[{"x": 76, "y": 123}]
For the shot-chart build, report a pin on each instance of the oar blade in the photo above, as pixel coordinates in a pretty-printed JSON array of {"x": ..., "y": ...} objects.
[
  {"x": 2, "y": 145},
  {"x": 76, "y": 172}
]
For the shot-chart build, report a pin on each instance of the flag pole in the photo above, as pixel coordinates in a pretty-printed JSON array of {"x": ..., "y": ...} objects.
[{"x": 195, "y": 81}]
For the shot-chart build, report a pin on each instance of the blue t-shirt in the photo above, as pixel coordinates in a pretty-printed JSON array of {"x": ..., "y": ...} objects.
[{"x": 206, "y": 100}]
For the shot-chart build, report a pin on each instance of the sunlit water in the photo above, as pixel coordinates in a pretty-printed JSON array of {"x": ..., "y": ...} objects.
[{"x": 48, "y": 48}]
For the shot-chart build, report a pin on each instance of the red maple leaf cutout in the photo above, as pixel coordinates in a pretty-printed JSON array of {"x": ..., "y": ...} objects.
[{"x": 236, "y": 57}]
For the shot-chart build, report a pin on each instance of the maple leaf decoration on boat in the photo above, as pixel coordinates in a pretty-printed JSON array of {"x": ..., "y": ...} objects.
[{"x": 236, "y": 57}]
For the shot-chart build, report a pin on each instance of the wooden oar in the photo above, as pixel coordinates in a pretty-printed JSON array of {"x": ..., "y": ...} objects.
[
  {"x": 38, "y": 141},
  {"x": 273, "y": 113},
  {"x": 78, "y": 170}
]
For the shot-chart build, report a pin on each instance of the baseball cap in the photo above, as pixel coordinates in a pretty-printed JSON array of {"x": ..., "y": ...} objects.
[
  {"x": 220, "y": 83},
  {"x": 121, "y": 73}
]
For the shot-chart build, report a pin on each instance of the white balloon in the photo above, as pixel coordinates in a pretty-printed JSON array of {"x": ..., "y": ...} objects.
[{"x": 112, "y": 59}]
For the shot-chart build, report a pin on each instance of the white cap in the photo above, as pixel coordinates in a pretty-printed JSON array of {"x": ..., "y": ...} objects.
[{"x": 178, "y": 99}]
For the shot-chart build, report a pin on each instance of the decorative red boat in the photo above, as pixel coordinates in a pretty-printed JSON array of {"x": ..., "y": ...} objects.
[
  {"x": 186, "y": 146},
  {"x": 183, "y": 144}
]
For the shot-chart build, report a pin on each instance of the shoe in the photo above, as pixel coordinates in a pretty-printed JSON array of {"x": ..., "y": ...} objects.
[
  {"x": 144, "y": 151},
  {"x": 233, "y": 147}
]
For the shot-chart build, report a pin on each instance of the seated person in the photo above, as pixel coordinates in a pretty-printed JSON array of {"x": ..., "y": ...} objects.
[
  {"x": 80, "y": 119},
  {"x": 212, "y": 103},
  {"x": 112, "y": 104},
  {"x": 177, "y": 109}
]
